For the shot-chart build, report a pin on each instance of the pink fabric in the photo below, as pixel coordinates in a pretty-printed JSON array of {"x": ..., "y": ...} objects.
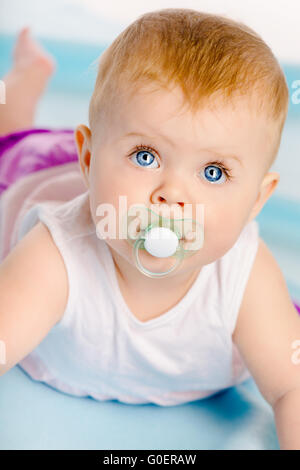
[
  {"x": 30, "y": 150},
  {"x": 61, "y": 183}
]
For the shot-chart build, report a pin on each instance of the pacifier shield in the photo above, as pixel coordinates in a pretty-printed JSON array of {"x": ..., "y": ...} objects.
[{"x": 161, "y": 237}]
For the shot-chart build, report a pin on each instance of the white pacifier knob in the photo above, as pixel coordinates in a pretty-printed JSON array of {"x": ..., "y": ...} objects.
[{"x": 161, "y": 242}]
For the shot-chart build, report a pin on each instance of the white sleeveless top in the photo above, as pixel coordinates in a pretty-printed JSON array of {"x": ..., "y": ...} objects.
[{"x": 100, "y": 349}]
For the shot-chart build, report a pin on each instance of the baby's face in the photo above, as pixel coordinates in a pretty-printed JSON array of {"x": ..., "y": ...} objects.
[{"x": 176, "y": 164}]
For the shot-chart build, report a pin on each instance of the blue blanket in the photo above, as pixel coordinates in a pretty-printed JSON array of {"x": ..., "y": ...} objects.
[{"x": 35, "y": 416}]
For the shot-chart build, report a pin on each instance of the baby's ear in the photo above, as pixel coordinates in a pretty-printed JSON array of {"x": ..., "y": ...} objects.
[
  {"x": 82, "y": 135},
  {"x": 267, "y": 187}
]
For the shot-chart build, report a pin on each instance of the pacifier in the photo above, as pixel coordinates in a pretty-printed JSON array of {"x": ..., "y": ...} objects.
[{"x": 161, "y": 237}]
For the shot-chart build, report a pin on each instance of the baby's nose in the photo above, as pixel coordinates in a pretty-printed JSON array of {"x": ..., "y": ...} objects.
[
  {"x": 162, "y": 200},
  {"x": 172, "y": 192},
  {"x": 169, "y": 209}
]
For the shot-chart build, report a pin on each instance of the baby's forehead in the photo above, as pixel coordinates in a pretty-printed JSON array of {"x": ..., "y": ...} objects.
[
  {"x": 159, "y": 104},
  {"x": 161, "y": 108}
]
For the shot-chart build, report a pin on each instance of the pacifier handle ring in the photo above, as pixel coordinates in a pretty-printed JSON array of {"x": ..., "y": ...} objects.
[{"x": 151, "y": 273}]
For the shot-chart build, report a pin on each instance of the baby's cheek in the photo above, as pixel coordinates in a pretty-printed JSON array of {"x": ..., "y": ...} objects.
[{"x": 221, "y": 230}]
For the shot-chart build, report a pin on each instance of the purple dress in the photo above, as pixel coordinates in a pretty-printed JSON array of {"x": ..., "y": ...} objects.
[{"x": 31, "y": 150}]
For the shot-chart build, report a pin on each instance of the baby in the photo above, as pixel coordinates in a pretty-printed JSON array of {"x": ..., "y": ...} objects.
[{"x": 187, "y": 110}]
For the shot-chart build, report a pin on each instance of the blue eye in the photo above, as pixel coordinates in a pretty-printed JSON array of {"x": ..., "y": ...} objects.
[
  {"x": 214, "y": 174},
  {"x": 144, "y": 156}
]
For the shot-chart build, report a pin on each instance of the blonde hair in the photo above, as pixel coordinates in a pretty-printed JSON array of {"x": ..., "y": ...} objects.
[{"x": 209, "y": 56}]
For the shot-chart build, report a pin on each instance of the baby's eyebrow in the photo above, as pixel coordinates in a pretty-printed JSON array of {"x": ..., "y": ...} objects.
[
  {"x": 164, "y": 137},
  {"x": 225, "y": 156}
]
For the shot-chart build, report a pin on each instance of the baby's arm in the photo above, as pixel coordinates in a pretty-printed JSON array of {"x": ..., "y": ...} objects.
[
  {"x": 33, "y": 294},
  {"x": 266, "y": 334}
]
